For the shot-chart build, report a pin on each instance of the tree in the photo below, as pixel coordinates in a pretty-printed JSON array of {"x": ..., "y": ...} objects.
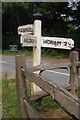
[
  {"x": 74, "y": 21},
  {"x": 59, "y": 18},
  {"x": 13, "y": 15}
]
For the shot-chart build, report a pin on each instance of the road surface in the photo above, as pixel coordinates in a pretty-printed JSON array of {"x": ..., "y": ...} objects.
[{"x": 59, "y": 76}]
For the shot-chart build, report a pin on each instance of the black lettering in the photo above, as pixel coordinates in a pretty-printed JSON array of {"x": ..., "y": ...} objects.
[
  {"x": 69, "y": 44},
  {"x": 26, "y": 29},
  {"x": 55, "y": 43},
  {"x": 58, "y": 42},
  {"x": 52, "y": 42},
  {"x": 31, "y": 40},
  {"x": 65, "y": 43},
  {"x": 49, "y": 42},
  {"x": 25, "y": 39},
  {"x": 28, "y": 40},
  {"x": 46, "y": 41}
]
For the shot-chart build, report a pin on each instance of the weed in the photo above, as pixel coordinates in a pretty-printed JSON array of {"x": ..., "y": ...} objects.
[{"x": 9, "y": 99}]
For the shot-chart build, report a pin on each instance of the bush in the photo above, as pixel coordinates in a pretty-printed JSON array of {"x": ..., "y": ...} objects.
[{"x": 10, "y": 40}]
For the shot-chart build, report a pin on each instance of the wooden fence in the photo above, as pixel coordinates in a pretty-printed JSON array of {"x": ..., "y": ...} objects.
[{"x": 65, "y": 96}]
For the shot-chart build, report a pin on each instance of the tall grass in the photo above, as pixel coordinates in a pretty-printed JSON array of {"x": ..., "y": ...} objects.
[{"x": 9, "y": 98}]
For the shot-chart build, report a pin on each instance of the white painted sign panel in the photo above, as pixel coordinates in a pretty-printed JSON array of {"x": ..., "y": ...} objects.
[
  {"x": 28, "y": 40},
  {"x": 55, "y": 42},
  {"x": 25, "y": 29}
]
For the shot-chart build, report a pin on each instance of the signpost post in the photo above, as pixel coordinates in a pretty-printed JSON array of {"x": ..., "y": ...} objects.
[
  {"x": 37, "y": 41},
  {"x": 37, "y": 49}
]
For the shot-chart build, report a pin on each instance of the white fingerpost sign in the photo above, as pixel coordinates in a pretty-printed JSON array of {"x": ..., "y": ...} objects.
[
  {"x": 25, "y": 29},
  {"x": 28, "y": 40},
  {"x": 37, "y": 41},
  {"x": 56, "y": 42}
]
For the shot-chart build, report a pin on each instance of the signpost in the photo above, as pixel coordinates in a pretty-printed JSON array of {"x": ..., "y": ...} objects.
[
  {"x": 56, "y": 42},
  {"x": 37, "y": 41},
  {"x": 25, "y": 29},
  {"x": 37, "y": 49},
  {"x": 28, "y": 40}
]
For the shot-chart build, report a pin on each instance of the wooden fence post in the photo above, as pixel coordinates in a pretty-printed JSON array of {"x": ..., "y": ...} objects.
[
  {"x": 74, "y": 57},
  {"x": 21, "y": 86}
]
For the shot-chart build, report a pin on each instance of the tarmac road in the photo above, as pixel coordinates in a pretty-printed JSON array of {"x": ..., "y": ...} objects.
[{"x": 59, "y": 76}]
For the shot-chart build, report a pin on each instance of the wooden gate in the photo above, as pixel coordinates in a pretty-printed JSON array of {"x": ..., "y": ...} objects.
[{"x": 66, "y": 97}]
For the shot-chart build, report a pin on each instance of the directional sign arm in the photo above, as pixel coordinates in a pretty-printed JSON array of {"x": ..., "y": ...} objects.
[
  {"x": 25, "y": 29},
  {"x": 56, "y": 42}
]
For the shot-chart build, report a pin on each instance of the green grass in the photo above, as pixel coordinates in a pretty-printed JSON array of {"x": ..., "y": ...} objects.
[
  {"x": 9, "y": 98},
  {"x": 10, "y": 107},
  {"x": 49, "y": 103},
  {"x": 50, "y": 53},
  {"x": 21, "y": 52},
  {"x": 78, "y": 93},
  {"x": 0, "y": 51},
  {"x": 50, "y": 109},
  {"x": 46, "y": 104}
]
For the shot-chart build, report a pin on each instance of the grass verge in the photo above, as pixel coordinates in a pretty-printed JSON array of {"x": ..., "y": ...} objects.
[
  {"x": 45, "y": 53},
  {"x": 21, "y": 52},
  {"x": 48, "y": 107},
  {"x": 9, "y": 98}
]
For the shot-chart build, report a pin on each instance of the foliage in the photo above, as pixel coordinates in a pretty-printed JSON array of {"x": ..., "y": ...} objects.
[
  {"x": 15, "y": 14},
  {"x": 49, "y": 108},
  {"x": 9, "y": 99},
  {"x": 10, "y": 39},
  {"x": 60, "y": 19},
  {"x": 46, "y": 103},
  {"x": 10, "y": 107},
  {"x": 25, "y": 51},
  {"x": 49, "y": 52}
]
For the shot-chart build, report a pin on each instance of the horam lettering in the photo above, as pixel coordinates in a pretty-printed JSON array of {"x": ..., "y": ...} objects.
[
  {"x": 58, "y": 42},
  {"x": 50, "y": 42}
]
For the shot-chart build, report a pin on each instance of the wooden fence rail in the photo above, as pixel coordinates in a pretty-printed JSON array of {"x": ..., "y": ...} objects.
[
  {"x": 21, "y": 86},
  {"x": 70, "y": 102}
]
